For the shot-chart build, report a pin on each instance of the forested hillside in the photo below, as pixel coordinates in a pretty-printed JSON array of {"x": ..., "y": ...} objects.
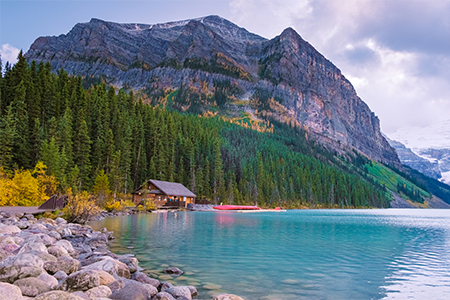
[{"x": 78, "y": 133}]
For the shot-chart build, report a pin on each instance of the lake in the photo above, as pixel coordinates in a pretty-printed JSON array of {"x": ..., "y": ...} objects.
[{"x": 298, "y": 254}]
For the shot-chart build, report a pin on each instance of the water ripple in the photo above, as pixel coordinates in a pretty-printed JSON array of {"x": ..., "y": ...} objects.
[{"x": 308, "y": 254}]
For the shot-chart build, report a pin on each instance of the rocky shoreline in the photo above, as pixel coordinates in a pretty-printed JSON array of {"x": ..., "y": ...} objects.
[{"x": 47, "y": 259}]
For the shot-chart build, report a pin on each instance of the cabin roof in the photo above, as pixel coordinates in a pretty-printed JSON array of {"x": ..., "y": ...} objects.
[{"x": 172, "y": 188}]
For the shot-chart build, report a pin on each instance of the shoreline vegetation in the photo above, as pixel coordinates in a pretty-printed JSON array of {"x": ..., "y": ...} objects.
[{"x": 46, "y": 259}]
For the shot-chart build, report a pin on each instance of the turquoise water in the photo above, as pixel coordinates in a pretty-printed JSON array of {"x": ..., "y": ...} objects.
[{"x": 298, "y": 254}]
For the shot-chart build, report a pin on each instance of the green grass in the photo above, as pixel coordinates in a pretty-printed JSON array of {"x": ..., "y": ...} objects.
[{"x": 390, "y": 179}]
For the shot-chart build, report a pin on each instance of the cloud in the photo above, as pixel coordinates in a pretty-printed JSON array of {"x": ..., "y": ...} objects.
[
  {"x": 395, "y": 53},
  {"x": 9, "y": 53}
]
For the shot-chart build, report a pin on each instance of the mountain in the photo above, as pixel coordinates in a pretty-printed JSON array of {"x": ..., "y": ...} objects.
[
  {"x": 431, "y": 144},
  {"x": 409, "y": 158},
  {"x": 209, "y": 63}
]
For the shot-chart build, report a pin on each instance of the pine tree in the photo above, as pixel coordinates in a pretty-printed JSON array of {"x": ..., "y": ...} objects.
[
  {"x": 218, "y": 171},
  {"x": 21, "y": 145},
  {"x": 82, "y": 148},
  {"x": 7, "y": 136}
]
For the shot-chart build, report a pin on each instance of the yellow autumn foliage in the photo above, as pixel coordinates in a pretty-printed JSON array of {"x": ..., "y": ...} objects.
[
  {"x": 80, "y": 207},
  {"x": 26, "y": 187}
]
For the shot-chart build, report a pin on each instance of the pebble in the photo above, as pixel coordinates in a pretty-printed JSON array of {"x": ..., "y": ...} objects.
[{"x": 212, "y": 286}]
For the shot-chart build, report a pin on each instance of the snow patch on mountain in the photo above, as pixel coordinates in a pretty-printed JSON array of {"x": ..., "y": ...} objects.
[
  {"x": 431, "y": 143},
  {"x": 435, "y": 136}
]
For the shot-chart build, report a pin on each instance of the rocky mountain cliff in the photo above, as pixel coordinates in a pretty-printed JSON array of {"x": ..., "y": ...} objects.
[{"x": 296, "y": 81}]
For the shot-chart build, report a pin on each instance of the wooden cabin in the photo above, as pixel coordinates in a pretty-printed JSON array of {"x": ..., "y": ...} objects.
[{"x": 164, "y": 194}]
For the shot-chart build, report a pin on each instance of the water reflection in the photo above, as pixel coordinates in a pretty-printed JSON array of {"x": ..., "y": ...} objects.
[{"x": 321, "y": 254}]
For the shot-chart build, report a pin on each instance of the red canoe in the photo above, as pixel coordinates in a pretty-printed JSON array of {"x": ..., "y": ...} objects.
[{"x": 236, "y": 207}]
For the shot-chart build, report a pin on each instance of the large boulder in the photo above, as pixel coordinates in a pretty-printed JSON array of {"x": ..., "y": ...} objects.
[
  {"x": 43, "y": 255},
  {"x": 60, "y": 221},
  {"x": 31, "y": 286},
  {"x": 80, "y": 281},
  {"x": 131, "y": 262},
  {"x": 50, "y": 280},
  {"x": 105, "y": 278},
  {"x": 60, "y": 275},
  {"x": 164, "y": 296},
  {"x": 64, "y": 263},
  {"x": 180, "y": 291},
  {"x": 9, "y": 229},
  {"x": 98, "y": 292},
  {"x": 46, "y": 239},
  {"x": 132, "y": 291},
  {"x": 58, "y": 295},
  {"x": 33, "y": 246},
  {"x": 111, "y": 266},
  {"x": 68, "y": 246},
  {"x": 165, "y": 285},
  {"x": 152, "y": 291},
  {"x": 7, "y": 246},
  {"x": 20, "y": 266},
  {"x": 10, "y": 292},
  {"x": 57, "y": 251},
  {"x": 143, "y": 278},
  {"x": 227, "y": 297}
]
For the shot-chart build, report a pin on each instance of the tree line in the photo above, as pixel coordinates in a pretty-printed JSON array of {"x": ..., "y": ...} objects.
[{"x": 81, "y": 133}]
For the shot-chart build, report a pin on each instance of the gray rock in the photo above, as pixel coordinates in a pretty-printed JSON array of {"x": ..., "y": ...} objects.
[
  {"x": 38, "y": 228},
  {"x": 105, "y": 278},
  {"x": 60, "y": 275},
  {"x": 116, "y": 285},
  {"x": 80, "y": 281},
  {"x": 180, "y": 291},
  {"x": 133, "y": 291},
  {"x": 227, "y": 297},
  {"x": 51, "y": 281},
  {"x": 152, "y": 291},
  {"x": 68, "y": 246},
  {"x": 193, "y": 290},
  {"x": 64, "y": 263},
  {"x": 9, "y": 229},
  {"x": 165, "y": 285},
  {"x": 55, "y": 235},
  {"x": 22, "y": 224},
  {"x": 31, "y": 286},
  {"x": 33, "y": 246},
  {"x": 57, "y": 250},
  {"x": 20, "y": 266},
  {"x": 99, "y": 292},
  {"x": 43, "y": 255},
  {"x": 143, "y": 278},
  {"x": 81, "y": 295},
  {"x": 131, "y": 262},
  {"x": 164, "y": 296},
  {"x": 110, "y": 266},
  {"x": 46, "y": 239},
  {"x": 60, "y": 221},
  {"x": 58, "y": 295},
  {"x": 173, "y": 270},
  {"x": 10, "y": 291},
  {"x": 66, "y": 232}
]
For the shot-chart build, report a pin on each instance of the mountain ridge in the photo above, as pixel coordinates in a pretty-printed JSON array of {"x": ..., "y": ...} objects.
[{"x": 311, "y": 91}]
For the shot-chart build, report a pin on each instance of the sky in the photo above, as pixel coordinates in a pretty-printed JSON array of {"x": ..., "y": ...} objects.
[{"x": 396, "y": 53}]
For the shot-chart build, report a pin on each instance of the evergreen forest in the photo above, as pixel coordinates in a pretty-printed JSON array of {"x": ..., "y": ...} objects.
[{"x": 81, "y": 133}]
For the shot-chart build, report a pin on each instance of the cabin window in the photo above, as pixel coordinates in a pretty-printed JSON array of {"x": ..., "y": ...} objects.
[{"x": 185, "y": 199}]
